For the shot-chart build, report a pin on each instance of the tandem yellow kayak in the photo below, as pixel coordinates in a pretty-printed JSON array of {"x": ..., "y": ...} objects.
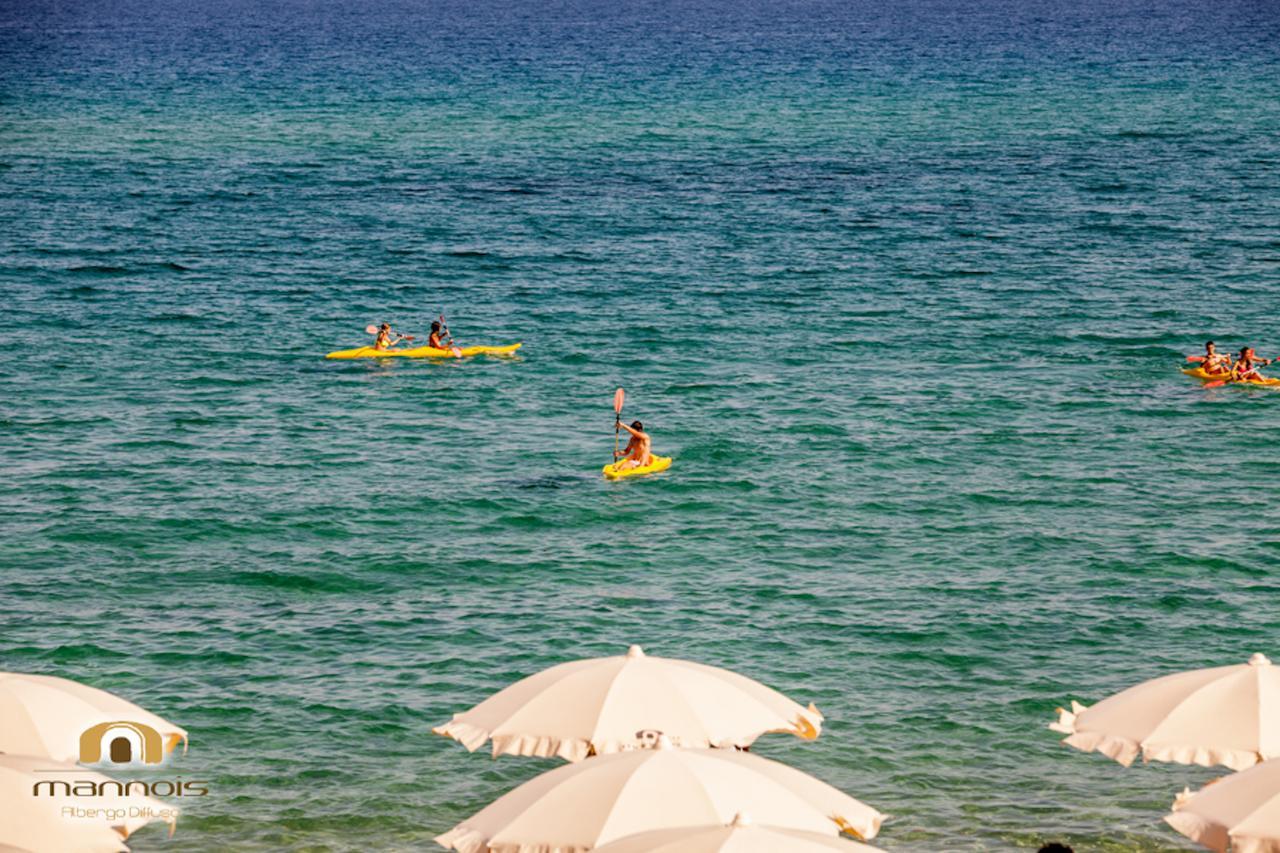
[
  {"x": 421, "y": 352},
  {"x": 1199, "y": 373},
  {"x": 1204, "y": 376},
  {"x": 656, "y": 464}
]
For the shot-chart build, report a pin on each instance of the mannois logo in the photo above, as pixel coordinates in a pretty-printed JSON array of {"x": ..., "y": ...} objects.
[{"x": 121, "y": 742}]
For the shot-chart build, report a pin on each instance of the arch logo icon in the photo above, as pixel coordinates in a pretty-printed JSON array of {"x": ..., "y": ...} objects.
[{"x": 121, "y": 742}]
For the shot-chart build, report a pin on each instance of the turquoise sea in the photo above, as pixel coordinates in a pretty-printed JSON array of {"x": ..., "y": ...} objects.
[{"x": 903, "y": 287}]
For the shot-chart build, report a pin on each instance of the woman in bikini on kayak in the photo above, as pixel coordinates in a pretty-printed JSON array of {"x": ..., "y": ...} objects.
[
  {"x": 384, "y": 338},
  {"x": 1246, "y": 367}
]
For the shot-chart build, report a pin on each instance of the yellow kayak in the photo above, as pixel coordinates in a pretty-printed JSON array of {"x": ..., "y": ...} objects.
[
  {"x": 421, "y": 352},
  {"x": 1204, "y": 376},
  {"x": 656, "y": 464},
  {"x": 1199, "y": 373}
]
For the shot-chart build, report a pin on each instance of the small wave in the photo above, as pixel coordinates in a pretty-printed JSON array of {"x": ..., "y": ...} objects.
[
  {"x": 561, "y": 482},
  {"x": 1149, "y": 134},
  {"x": 818, "y": 429},
  {"x": 174, "y": 318},
  {"x": 200, "y": 658},
  {"x": 152, "y": 444},
  {"x": 579, "y": 257},
  {"x": 99, "y": 269},
  {"x": 527, "y": 521},
  {"x": 83, "y": 651},
  {"x": 300, "y": 582}
]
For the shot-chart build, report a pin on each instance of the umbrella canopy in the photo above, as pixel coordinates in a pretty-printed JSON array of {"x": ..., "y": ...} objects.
[
  {"x": 1241, "y": 810},
  {"x": 48, "y": 716},
  {"x": 603, "y": 705},
  {"x": 36, "y": 822},
  {"x": 581, "y": 806},
  {"x": 1226, "y": 715},
  {"x": 741, "y": 836}
]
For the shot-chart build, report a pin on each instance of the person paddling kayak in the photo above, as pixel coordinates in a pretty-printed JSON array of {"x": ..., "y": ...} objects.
[
  {"x": 434, "y": 340},
  {"x": 638, "y": 452},
  {"x": 1246, "y": 367},
  {"x": 1215, "y": 362},
  {"x": 384, "y": 341}
]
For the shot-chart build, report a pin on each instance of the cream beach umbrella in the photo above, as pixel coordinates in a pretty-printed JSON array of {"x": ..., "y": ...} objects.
[
  {"x": 1241, "y": 811},
  {"x": 742, "y": 836},
  {"x": 581, "y": 806},
  {"x": 53, "y": 717},
  {"x": 1226, "y": 715},
  {"x": 603, "y": 705},
  {"x": 39, "y": 813}
]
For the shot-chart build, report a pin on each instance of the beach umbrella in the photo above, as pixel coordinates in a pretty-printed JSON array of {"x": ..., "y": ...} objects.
[
  {"x": 61, "y": 719},
  {"x": 1241, "y": 810},
  {"x": 584, "y": 805},
  {"x": 743, "y": 835},
  {"x": 34, "y": 792},
  {"x": 611, "y": 704},
  {"x": 1226, "y": 715}
]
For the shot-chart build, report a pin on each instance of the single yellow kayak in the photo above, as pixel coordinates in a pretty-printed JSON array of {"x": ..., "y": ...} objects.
[
  {"x": 656, "y": 464},
  {"x": 1199, "y": 373},
  {"x": 421, "y": 352}
]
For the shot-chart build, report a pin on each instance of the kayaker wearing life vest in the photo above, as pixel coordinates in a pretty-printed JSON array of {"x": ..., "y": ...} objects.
[
  {"x": 1215, "y": 362},
  {"x": 638, "y": 451}
]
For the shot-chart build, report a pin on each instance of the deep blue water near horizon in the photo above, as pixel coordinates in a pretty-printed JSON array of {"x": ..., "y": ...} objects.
[{"x": 903, "y": 287}]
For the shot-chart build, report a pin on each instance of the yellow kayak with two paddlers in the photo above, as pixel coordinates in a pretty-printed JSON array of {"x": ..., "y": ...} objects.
[
  {"x": 422, "y": 352},
  {"x": 1204, "y": 376}
]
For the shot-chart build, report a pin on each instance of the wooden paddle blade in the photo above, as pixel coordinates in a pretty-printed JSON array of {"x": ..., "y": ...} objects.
[
  {"x": 457, "y": 353},
  {"x": 1218, "y": 384},
  {"x": 1195, "y": 358},
  {"x": 372, "y": 330},
  {"x": 619, "y": 397}
]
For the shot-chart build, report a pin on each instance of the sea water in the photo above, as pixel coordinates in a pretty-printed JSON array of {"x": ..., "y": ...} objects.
[{"x": 903, "y": 287}]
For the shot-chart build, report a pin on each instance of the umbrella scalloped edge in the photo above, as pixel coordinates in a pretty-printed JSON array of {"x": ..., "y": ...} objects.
[
  {"x": 536, "y": 746},
  {"x": 807, "y": 725},
  {"x": 1125, "y": 750},
  {"x": 1205, "y": 832},
  {"x": 576, "y": 749},
  {"x": 867, "y": 830},
  {"x": 467, "y": 840}
]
